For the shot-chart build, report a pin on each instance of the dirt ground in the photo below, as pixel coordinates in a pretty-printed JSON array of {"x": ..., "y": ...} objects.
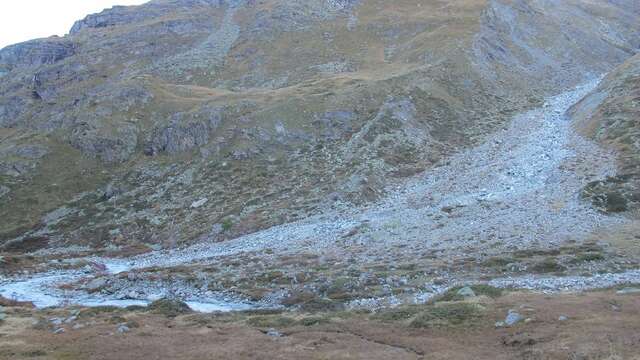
[{"x": 599, "y": 325}]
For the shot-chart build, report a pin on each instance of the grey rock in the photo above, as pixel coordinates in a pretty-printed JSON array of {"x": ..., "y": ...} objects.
[
  {"x": 513, "y": 318},
  {"x": 123, "y": 329},
  {"x": 30, "y": 151},
  {"x": 4, "y": 191},
  {"x": 563, "y": 318},
  {"x": 274, "y": 333},
  {"x": 78, "y": 326},
  {"x": 36, "y": 52},
  {"x": 185, "y": 132},
  {"x": 199, "y": 203},
  {"x": 96, "y": 142},
  {"x": 96, "y": 284},
  {"x": 628, "y": 291},
  {"x": 466, "y": 292},
  {"x": 111, "y": 191},
  {"x": 55, "y": 321},
  {"x": 58, "y": 331}
]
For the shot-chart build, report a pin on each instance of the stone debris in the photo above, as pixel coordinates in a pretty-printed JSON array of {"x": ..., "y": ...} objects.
[
  {"x": 123, "y": 329},
  {"x": 513, "y": 318},
  {"x": 466, "y": 292}
]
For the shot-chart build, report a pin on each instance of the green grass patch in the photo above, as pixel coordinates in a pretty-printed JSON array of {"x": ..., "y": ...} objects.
[
  {"x": 587, "y": 257},
  {"x": 455, "y": 314},
  {"x": 314, "y": 320},
  {"x": 169, "y": 308},
  {"x": 271, "y": 321},
  {"x": 397, "y": 314},
  {"x": 499, "y": 262},
  {"x": 90, "y": 312},
  {"x": 548, "y": 265},
  {"x": 480, "y": 289}
]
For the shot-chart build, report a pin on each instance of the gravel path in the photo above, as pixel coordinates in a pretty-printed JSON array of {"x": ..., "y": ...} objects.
[{"x": 519, "y": 190}]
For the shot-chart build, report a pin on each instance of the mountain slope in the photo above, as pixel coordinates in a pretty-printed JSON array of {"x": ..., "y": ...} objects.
[
  {"x": 611, "y": 115},
  {"x": 181, "y": 120}
]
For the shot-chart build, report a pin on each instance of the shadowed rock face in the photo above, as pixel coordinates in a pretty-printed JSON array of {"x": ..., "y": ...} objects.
[{"x": 276, "y": 109}]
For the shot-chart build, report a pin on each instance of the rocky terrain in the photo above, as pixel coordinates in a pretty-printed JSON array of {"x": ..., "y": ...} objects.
[
  {"x": 176, "y": 121},
  {"x": 325, "y": 162}
]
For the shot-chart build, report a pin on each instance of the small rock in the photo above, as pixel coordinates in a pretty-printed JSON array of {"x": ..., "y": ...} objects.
[
  {"x": 3, "y": 316},
  {"x": 58, "y": 331},
  {"x": 70, "y": 319},
  {"x": 96, "y": 284},
  {"x": 55, "y": 321},
  {"x": 123, "y": 329},
  {"x": 628, "y": 290},
  {"x": 500, "y": 324},
  {"x": 274, "y": 333},
  {"x": 199, "y": 203},
  {"x": 513, "y": 318},
  {"x": 563, "y": 318},
  {"x": 77, "y": 326},
  {"x": 466, "y": 292}
]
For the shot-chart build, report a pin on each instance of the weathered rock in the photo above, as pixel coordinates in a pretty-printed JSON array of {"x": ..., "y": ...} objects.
[
  {"x": 36, "y": 52},
  {"x": 628, "y": 291},
  {"x": 4, "y": 191},
  {"x": 513, "y": 318},
  {"x": 96, "y": 284},
  {"x": 122, "y": 329},
  {"x": 199, "y": 203},
  {"x": 185, "y": 132},
  {"x": 466, "y": 292}
]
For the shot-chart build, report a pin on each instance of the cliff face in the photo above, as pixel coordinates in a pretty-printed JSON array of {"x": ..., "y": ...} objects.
[{"x": 180, "y": 119}]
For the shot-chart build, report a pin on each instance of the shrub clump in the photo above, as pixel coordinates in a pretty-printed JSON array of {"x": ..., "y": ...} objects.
[
  {"x": 480, "y": 289},
  {"x": 169, "y": 307},
  {"x": 548, "y": 265}
]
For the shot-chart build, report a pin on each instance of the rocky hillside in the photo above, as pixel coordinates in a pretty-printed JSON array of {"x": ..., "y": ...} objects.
[
  {"x": 180, "y": 120},
  {"x": 611, "y": 115}
]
